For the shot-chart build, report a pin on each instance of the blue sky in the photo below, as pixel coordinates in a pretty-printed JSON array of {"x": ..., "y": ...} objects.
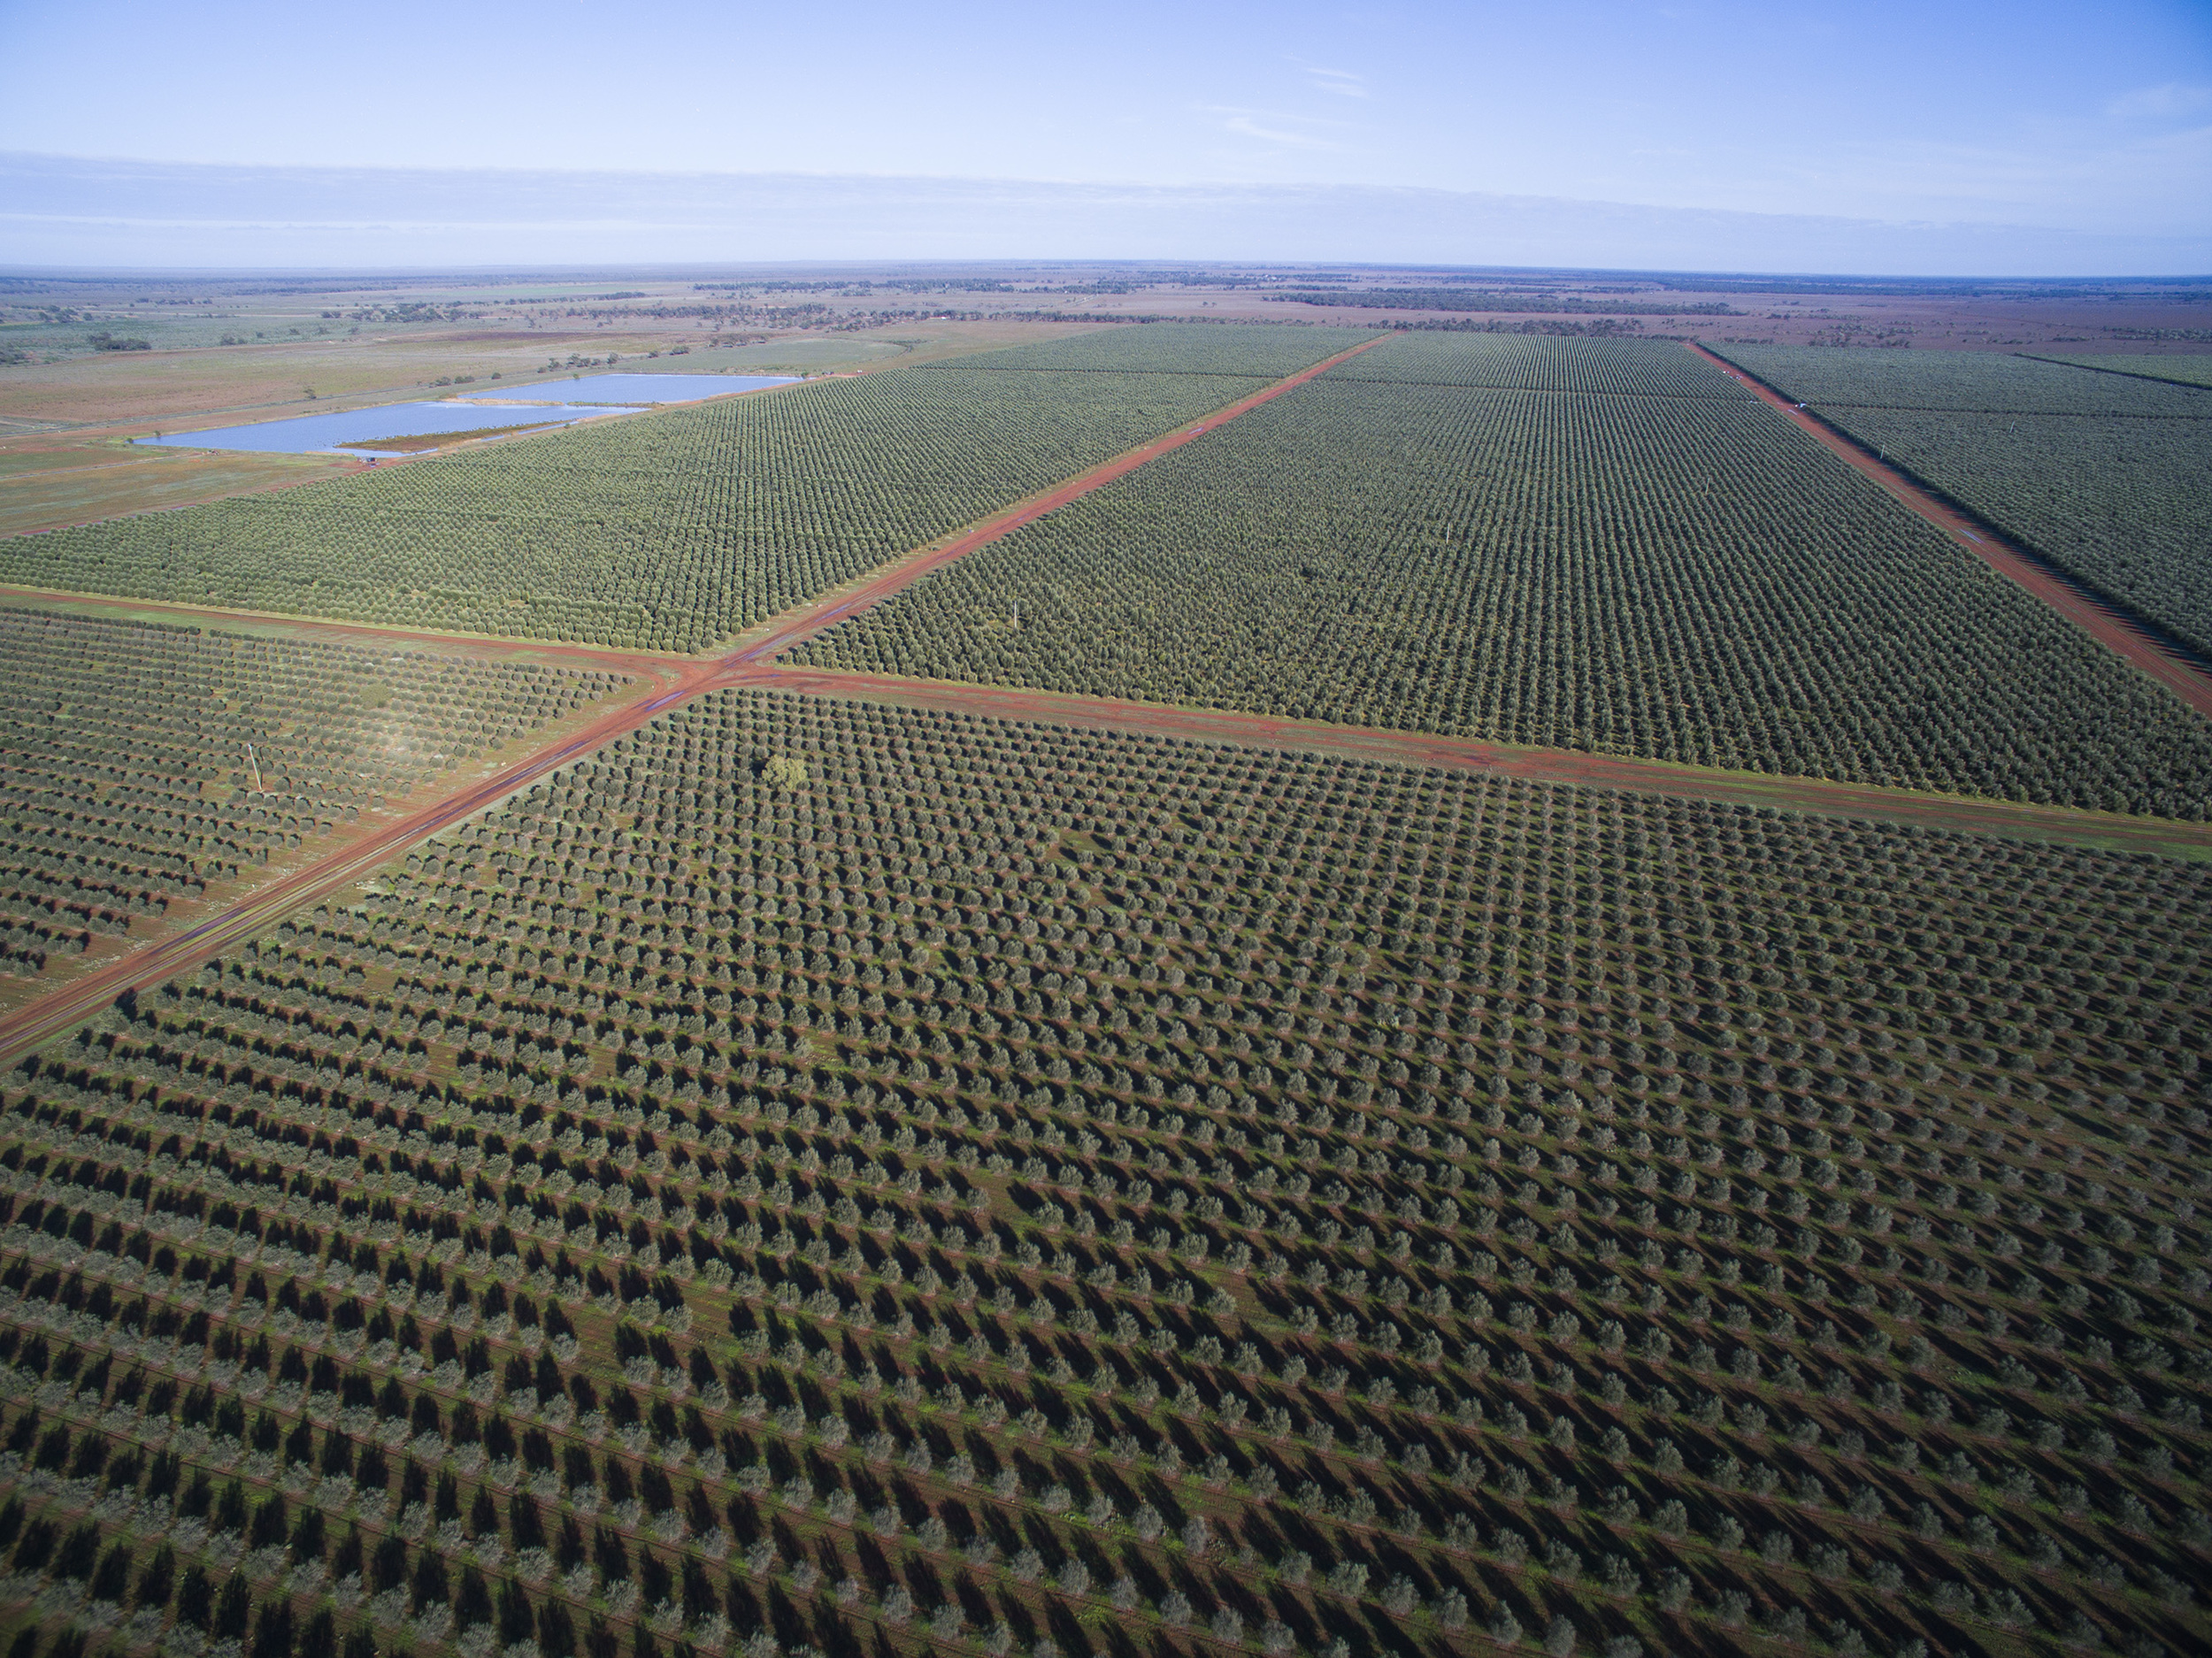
[{"x": 2092, "y": 121}]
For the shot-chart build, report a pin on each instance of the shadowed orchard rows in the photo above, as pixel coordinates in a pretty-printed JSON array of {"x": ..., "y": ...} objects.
[
  {"x": 2055, "y": 824},
  {"x": 814, "y": 1171},
  {"x": 145, "y": 763},
  {"x": 1622, "y": 1208},
  {"x": 34, "y": 1022}
]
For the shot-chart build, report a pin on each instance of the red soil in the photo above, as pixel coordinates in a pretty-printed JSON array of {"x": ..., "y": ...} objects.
[
  {"x": 2114, "y": 632},
  {"x": 592, "y": 657},
  {"x": 355, "y": 856},
  {"x": 2060, "y": 824},
  {"x": 803, "y": 624},
  {"x": 672, "y": 681}
]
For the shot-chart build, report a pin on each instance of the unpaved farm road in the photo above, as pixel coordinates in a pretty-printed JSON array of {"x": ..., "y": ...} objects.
[
  {"x": 2117, "y": 633},
  {"x": 38, "y": 1022},
  {"x": 2062, "y": 824},
  {"x": 671, "y": 680},
  {"x": 766, "y": 643},
  {"x": 277, "y": 624},
  {"x": 668, "y": 680}
]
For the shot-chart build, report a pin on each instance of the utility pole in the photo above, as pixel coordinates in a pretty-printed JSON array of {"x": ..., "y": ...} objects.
[{"x": 259, "y": 787}]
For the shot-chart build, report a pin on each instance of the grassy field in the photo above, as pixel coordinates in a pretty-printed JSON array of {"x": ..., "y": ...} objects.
[
  {"x": 175, "y": 389},
  {"x": 50, "y": 457},
  {"x": 52, "y": 486},
  {"x": 136, "y": 391}
]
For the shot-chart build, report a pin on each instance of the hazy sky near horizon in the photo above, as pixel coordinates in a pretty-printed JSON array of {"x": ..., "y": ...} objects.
[{"x": 1975, "y": 112}]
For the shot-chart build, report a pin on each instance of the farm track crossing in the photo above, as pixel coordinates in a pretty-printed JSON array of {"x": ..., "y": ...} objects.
[
  {"x": 41, "y": 1020},
  {"x": 1388, "y": 880},
  {"x": 2126, "y": 635},
  {"x": 668, "y": 681},
  {"x": 1680, "y": 579}
]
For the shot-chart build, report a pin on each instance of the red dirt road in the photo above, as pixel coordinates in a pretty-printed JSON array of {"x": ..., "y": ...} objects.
[
  {"x": 1992, "y": 550},
  {"x": 761, "y": 644},
  {"x": 803, "y": 624},
  {"x": 2056, "y": 823},
  {"x": 50, "y": 1015},
  {"x": 751, "y": 662},
  {"x": 596, "y": 658},
  {"x": 683, "y": 678}
]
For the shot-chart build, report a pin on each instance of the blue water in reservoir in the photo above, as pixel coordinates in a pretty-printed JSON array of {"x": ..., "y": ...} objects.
[
  {"x": 310, "y": 435},
  {"x": 632, "y": 387}
]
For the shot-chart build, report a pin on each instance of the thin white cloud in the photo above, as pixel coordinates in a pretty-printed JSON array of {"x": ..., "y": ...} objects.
[
  {"x": 64, "y": 211},
  {"x": 1292, "y": 131},
  {"x": 2070, "y": 175},
  {"x": 1337, "y": 82},
  {"x": 2169, "y": 102},
  {"x": 2087, "y": 172}
]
